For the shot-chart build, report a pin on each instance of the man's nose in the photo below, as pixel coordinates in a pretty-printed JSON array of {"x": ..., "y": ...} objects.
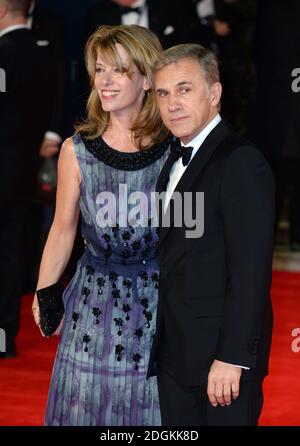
[{"x": 173, "y": 103}]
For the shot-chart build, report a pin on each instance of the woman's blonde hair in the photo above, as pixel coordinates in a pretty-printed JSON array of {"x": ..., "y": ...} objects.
[{"x": 143, "y": 49}]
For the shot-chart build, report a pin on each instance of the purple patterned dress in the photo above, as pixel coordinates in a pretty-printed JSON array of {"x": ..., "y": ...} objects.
[{"x": 99, "y": 375}]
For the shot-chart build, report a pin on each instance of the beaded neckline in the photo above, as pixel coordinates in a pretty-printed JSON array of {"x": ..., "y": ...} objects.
[{"x": 125, "y": 160}]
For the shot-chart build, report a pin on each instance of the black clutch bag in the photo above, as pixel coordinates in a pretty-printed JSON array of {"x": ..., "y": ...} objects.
[{"x": 51, "y": 307}]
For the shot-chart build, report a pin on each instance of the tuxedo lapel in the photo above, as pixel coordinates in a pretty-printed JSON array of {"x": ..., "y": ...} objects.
[
  {"x": 202, "y": 157},
  {"x": 194, "y": 168},
  {"x": 164, "y": 175}
]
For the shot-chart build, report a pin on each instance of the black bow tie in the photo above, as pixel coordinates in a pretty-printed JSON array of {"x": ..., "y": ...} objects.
[
  {"x": 128, "y": 9},
  {"x": 183, "y": 152}
]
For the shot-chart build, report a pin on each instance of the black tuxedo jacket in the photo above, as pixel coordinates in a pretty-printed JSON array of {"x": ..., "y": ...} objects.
[
  {"x": 50, "y": 33},
  {"x": 24, "y": 110},
  {"x": 214, "y": 293},
  {"x": 180, "y": 15}
]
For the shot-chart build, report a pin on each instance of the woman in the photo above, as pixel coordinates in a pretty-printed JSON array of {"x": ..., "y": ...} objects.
[{"x": 99, "y": 376}]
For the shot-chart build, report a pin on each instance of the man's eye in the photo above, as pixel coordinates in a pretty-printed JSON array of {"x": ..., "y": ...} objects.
[
  {"x": 185, "y": 90},
  {"x": 162, "y": 93}
]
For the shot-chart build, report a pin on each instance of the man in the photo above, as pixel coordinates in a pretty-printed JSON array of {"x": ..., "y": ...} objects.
[
  {"x": 214, "y": 313},
  {"x": 24, "y": 109},
  {"x": 50, "y": 33},
  {"x": 173, "y": 23}
]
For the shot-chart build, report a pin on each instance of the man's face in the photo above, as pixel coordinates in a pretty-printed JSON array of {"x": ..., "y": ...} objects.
[{"x": 186, "y": 102}]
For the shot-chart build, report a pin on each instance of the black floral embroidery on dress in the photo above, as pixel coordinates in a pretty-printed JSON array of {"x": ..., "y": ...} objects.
[
  {"x": 145, "y": 302},
  {"x": 126, "y": 236},
  {"x": 86, "y": 340},
  {"x": 75, "y": 318},
  {"x": 144, "y": 276},
  {"x": 90, "y": 272},
  {"x": 113, "y": 277},
  {"x": 148, "y": 316},
  {"x": 115, "y": 230},
  {"x": 136, "y": 245},
  {"x": 125, "y": 160},
  {"x": 155, "y": 279},
  {"x": 125, "y": 254},
  {"x": 116, "y": 295},
  {"x": 139, "y": 333},
  {"x": 119, "y": 350},
  {"x": 101, "y": 284},
  {"x": 85, "y": 292},
  {"x": 126, "y": 309},
  {"x": 119, "y": 323},
  {"x": 106, "y": 237},
  {"x": 97, "y": 312},
  {"x": 136, "y": 358},
  {"x": 127, "y": 283},
  {"x": 107, "y": 251}
]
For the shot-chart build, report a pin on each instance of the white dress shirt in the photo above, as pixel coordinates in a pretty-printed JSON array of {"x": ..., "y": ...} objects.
[
  {"x": 178, "y": 168},
  {"x": 205, "y": 8},
  {"x": 134, "y": 18},
  {"x": 8, "y": 29}
]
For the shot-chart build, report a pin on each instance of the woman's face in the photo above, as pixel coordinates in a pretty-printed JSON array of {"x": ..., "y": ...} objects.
[{"x": 119, "y": 93}]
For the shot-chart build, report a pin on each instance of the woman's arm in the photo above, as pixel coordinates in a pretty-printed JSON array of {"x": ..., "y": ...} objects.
[{"x": 61, "y": 237}]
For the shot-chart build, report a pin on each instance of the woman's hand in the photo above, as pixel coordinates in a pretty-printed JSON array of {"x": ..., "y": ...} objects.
[
  {"x": 58, "y": 330},
  {"x": 36, "y": 313},
  {"x": 36, "y": 316}
]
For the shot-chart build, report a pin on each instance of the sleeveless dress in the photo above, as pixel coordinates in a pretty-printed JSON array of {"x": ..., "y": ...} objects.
[{"x": 99, "y": 374}]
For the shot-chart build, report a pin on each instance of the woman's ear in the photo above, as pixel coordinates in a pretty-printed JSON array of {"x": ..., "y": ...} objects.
[{"x": 146, "y": 85}]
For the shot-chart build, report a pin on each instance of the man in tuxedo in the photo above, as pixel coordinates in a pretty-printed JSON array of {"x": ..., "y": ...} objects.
[
  {"x": 24, "y": 106},
  {"x": 173, "y": 22},
  {"x": 50, "y": 33},
  {"x": 214, "y": 318}
]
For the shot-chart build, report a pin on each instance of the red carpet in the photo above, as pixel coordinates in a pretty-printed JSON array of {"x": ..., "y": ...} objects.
[
  {"x": 282, "y": 386},
  {"x": 24, "y": 381}
]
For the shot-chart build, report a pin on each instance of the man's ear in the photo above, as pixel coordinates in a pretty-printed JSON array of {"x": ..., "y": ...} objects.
[
  {"x": 215, "y": 93},
  {"x": 3, "y": 9}
]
